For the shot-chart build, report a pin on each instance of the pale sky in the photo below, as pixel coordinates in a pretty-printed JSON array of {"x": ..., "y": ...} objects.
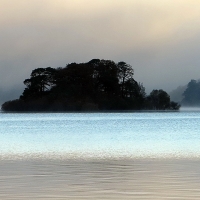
[{"x": 159, "y": 38}]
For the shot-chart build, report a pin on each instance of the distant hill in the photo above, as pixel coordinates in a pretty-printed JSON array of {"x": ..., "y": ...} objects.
[
  {"x": 177, "y": 94},
  {"x": 192, "y": 94},
  {"x": 187, "y": 95}
]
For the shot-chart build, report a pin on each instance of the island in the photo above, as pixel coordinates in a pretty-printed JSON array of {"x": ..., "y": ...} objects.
[{"x": 97, "y": 85}]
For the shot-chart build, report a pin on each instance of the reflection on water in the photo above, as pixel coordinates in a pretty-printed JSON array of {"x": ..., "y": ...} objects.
[{"x": 100, "y": 179}]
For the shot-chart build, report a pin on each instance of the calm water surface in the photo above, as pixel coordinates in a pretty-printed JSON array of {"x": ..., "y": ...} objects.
[{"x": 100, "y": 155}]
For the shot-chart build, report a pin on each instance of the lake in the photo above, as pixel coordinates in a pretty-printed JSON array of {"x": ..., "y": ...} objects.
[{"x": 140, "y": 155}]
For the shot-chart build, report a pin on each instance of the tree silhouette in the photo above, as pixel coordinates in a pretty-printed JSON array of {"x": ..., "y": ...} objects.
[
  {"x": 160, "y": 100},
  {"x": 41, "y": 80}
]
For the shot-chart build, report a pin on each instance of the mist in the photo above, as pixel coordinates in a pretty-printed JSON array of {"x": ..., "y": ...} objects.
[{"x": 158, "y": 38}]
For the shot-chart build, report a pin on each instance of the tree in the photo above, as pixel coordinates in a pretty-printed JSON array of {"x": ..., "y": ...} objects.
[
  {"x": 174, "y": 105},
  {"x": 125, "y": 75},
  {"x": 41, "y": 80},
  {"x": 159, "y": 100}
]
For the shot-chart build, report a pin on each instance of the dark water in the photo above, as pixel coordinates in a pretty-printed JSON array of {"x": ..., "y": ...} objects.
[{"x": 100, "y": 156}]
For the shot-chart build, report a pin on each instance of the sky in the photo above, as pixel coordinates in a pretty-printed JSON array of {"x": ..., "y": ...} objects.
[{"x": 158, "y": 38}]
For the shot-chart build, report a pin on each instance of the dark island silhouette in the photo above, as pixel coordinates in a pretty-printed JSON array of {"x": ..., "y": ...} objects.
[{"x": 98, "y": 85}]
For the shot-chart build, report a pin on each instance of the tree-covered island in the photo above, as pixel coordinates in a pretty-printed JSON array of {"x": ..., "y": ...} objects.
[{"x": 98, "y": 85}]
